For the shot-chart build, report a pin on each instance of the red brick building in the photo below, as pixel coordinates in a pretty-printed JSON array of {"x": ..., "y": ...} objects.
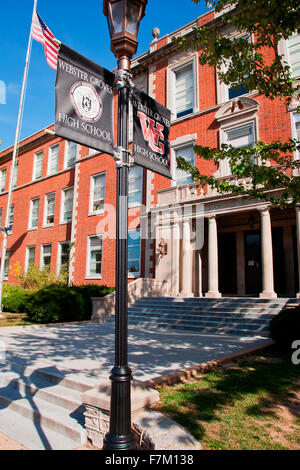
[{"x": 66, "y": 192}]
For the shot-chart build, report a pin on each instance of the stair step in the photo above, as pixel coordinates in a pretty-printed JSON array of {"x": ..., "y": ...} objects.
[{"x": 205, "y": 314}]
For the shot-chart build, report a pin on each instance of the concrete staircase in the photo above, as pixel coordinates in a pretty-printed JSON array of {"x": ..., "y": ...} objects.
[
  {"x": 232, "y": 316},
  {"x": 40, "y": 407}
]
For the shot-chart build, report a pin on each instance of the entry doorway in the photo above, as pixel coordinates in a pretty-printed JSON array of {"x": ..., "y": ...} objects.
[
  {"x": 227, "y": 263},
  {"x": 253, "y": 272}
]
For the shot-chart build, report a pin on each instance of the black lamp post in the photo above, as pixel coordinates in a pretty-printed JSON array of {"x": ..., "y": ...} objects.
[{"x": 123, "y": 18}]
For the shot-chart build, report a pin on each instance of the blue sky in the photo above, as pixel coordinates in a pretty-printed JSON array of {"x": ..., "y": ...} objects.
[{"x": 82, "y": 26}]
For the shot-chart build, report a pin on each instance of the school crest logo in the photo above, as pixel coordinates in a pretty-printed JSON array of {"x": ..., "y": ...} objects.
[
  {"x": 86, "y": 101},
  {"x": 153, "y": 134}
]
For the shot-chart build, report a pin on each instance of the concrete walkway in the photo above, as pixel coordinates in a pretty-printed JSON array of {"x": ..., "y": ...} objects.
[{"x": 89, "y": 348}]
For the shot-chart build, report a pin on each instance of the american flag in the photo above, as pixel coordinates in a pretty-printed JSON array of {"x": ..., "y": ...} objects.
[{"x": 41, "y": 33}]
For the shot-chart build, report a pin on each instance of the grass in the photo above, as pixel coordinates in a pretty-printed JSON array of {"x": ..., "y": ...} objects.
[
  {"x": 252, "y": 405},
  {"x": 14, "y": 319}
]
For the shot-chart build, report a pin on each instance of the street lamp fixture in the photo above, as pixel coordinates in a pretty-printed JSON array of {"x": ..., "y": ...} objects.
[{"x": 123, "y": 18}]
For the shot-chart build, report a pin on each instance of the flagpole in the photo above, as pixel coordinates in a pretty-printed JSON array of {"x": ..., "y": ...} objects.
[{"x": 15, "y": 150}]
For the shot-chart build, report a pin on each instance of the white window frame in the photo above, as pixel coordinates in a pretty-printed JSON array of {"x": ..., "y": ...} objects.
[
  {"x": 27, "y": 256},
  {"x": 30, "y": 227},
  {"x": 224, "y": 164},
  {"x": 47, "y": 198},
  {"x": 50, "y": 153},
  {"x": 222, "y": 88},
  {"x": 66, "y": 160},
  {"x": 63, "y": 197},
  {"x": 15, "y": 175},
  {"x": 92, "y": 187},
  {"x": 59, "y": 253},
  {"x": 135, "y": 274},
  {"x": 3, "y": 173},
  {"x": 6, "y": 261},
  {"x": 42, "y": 264},
  {"x": 180, "y": 143},
  {"x": 36, "y": 156},
  {"x": 90, "y": 275},
  {"x": 287, "y": 54},
  {"x": 294, "y": 132},
  {"x": 11, "y": 218},
  {"x": 177, "y": 65}
]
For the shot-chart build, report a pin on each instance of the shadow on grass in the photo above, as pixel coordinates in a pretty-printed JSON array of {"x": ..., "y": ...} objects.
[{"x": 253, "y": 387}]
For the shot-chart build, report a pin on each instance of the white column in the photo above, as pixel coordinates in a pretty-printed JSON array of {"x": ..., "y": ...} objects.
[
  {"x": 298, "y": 247},
  {"x": 175, "y": 254},
  {"x": 186, "y": 266},
  {"x": 199, "y": 259},
  {"x": 213, "y": 271},
  {"x": 267, "y": 255}
]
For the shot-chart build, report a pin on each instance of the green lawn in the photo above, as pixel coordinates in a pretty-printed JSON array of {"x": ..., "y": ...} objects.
[
  {"x": 253, "y": 404},
  {"x": 14, "y": 319}
]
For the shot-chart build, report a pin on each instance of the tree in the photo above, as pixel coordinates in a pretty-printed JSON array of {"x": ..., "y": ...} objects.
[{"x": 241, "y": 61}]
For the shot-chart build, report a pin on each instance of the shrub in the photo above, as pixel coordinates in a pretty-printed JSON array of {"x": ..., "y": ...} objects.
[
  {"x": 91, "y": 290},
  {"x": 55, "y": 304},
  {"x": 38, "y": 278},
  {"x": 285, "y": 327},
  {"x": 14, "y": 298}
]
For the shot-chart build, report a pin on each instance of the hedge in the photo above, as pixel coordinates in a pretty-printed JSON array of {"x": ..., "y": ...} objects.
[{"x": 285, "y": 327}]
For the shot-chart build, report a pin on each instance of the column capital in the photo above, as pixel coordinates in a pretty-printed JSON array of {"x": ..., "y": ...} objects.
[
  {"x": 264, "y": 210},
  {"x": 211, "y": 217}
]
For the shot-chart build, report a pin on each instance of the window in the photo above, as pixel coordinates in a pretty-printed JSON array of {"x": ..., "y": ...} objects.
[
  {"x": 46, "y": 256},
  {"x": 38, "y": 165},
  {"x": 183, "y": 177},
  {"x": 238, "y": 137},
  {"x": 30, "y": 257},
  {"x": 6, "y": 264},
  {"x": 15, "y": 177},
  {"x": 53, "y": 159},
  {"x": 34, "y": 213},
  {"x": 11, "y": 218},
  {"x": 63, "y": 255},
  {"x": 1, "y": 213},
  {"x": 293, "y": 53},
  {"x": 49, "y": 209},
  {"x": 67, "y": 205},
  {"x": 70, "y": 155},
  {"x": 296, "y": 131},
  {"x": 134, "y": 253},
  {"x": 94, "y": 258},
  {"x": 135, "y": 185},
  {"x": 2, "y": 180},
  {"x": 184, "y": 91},
  {"x": 97, "y": 193},
  {"x": 242, "y": 136}
]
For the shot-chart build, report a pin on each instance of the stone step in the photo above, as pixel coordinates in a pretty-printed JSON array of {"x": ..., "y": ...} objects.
[
  {"x": 216, "y": 314},
  {"x": 210, "y": 305},
  {"x": 45, "y": 401},
  {"x": 222, "y": 300},
  {"x": 211, "y": 330},
  {"x": 199, "y": 318},
  {"x": 200, "y": 323},
  {"x": 46, "y": 415}
]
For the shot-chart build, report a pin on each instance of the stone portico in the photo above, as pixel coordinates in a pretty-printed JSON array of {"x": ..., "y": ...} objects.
[{"x": 224, "y": 245}]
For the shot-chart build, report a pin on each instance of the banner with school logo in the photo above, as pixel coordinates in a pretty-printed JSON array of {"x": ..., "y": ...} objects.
[
  {"x": 151, "y": 127},
  {"x": 83, "y": 101}
]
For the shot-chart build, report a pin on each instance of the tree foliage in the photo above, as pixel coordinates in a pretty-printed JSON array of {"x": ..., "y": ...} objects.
[{"x": 251, "y": 58}]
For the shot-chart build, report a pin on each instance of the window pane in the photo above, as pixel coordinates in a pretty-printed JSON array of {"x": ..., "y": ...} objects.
[
  {"x": 46, "y": 255},
  {"x": 34, "y": 216},
  {"x": 2, "y": 180},
  {"x": 6, "y": 264},
  {"x": 135, "y": 178},
  {"x": 134, "y": 251},
  {"x": 95, "y": 256},
  {"x": 241, "y": 136},
  {"x": 184, "y": 177},
  {"x": 15, "y": 177},
  {"x": 11, "y": 218},
  {"x": 53, "y": 159},
  {"x": 50, "y": 209},
  {"x": 71, "y": 153},
  {"x": 38, "y": 165},
  {"x": 98, "y": 192},
  {"x": 67, "y": 204},
  {"x": 184, "y": 99},
  {"x": 293, "y": 44}
]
